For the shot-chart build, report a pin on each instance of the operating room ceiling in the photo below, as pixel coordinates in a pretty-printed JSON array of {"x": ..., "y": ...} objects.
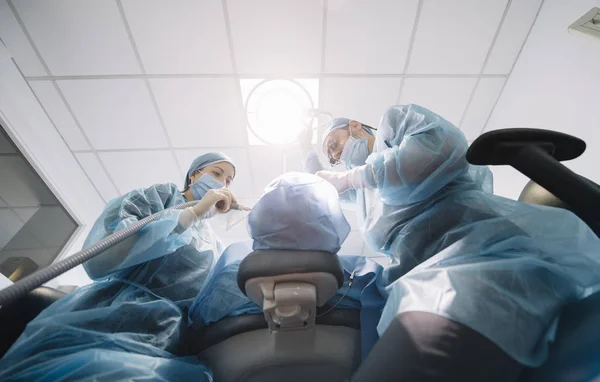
[{"x": 138, "y": 88}]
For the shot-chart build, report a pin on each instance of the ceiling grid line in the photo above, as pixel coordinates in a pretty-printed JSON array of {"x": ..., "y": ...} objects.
[
  {"x": 49, "y": 73},
  {"x": 485, "y": 61},
  {"x": 512, "y": 67},
  {"x": 238, "y": 85},
  {"x": 323, "y": 51},
  {"x": 261, "y": 75},
  {"x": 413, "y": 36},
  {"x": 148, "y": 86}
]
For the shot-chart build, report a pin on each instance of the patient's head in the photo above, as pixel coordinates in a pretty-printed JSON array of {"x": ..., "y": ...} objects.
[{"x": 298, "y": 211}]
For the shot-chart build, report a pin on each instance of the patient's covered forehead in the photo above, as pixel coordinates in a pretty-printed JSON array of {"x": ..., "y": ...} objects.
[{"x": 298, "y": 211}]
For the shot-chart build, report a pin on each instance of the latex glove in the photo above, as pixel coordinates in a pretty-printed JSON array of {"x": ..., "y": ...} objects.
[
  {"x": 216, "y": 201},
  {"x": 359, "y": 177}
]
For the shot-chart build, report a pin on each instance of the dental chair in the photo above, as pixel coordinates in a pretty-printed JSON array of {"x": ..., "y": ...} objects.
[
  {"x": 298, "y": 339},
  {"x": 291, "y": 340}
]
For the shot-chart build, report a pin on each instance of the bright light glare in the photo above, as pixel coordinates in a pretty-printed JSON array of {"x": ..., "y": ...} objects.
[{"x": 277, "y": 111}]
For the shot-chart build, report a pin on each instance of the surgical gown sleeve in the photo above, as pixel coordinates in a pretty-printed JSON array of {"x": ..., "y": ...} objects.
[
  {"x": 418, "y": 153},
  {"x": 312, "y": 164},
  {"x": 155, "y": 240}
]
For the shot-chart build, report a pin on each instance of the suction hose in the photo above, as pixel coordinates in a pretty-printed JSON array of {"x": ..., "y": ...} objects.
[{"x": 22, "y": 287}]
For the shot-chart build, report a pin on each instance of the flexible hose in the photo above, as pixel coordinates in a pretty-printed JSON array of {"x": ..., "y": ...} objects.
[{"x": 25, "y": 285}]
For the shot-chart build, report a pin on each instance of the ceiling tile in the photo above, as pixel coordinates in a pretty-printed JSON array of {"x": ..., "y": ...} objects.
[
  {"x": 20, "y": 186},
  {"x": 266, "y": 164},
  {"x": 454, "y": 36},
  {"x": 93, "y": 168},
  {"x": 10, "y": 225},
  {"x": 447, "y": 97},
  {"x": 205, "y": 112},
  {"x": 513, "y": 33},
  {"x": 485, "y": 97},
  {"x": 25, "y": 213},
  {"x": 50, "y": 227},
  {"x": 131, "y": 170},
  {"x": 115, "y": 114},
  {"x": 354, "y": 25},
  {"x": 271, "y": 36},
  {"x": 79, "y": 37},
  {"x": 353, "y": 244},
  {"x": 508, "y": 182},
  {"x": 5, "y": 146},
  {"x": 363, "y": 99},
  {"x": 57, "y": 110},
  {"x": 17, "y": 43},
  {"x": 241, "y": 185},
  {"x": 180, "y": 37}
]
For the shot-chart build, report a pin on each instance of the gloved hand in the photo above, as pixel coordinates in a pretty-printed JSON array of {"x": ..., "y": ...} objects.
[
  {"x": 216, "y": 201},
  {"x": 359, "y": 177}
]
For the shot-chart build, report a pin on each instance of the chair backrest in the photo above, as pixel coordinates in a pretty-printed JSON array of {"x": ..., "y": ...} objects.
[{"x": 14, "y": 318}]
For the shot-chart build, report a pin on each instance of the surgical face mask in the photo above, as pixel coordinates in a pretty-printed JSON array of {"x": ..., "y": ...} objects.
[
  {"x": 203, "y": 184},
  {"x": 355, "y": 152}
]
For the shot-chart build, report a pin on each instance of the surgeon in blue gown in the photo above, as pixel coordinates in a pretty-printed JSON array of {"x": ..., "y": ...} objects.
[
  {"x": 502, "y": 268},
  {"x": 129, "y": 323},
  {"x": 300, "y": 212}
]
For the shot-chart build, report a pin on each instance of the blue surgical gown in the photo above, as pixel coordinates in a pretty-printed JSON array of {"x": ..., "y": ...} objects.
[
  {"x": 504, "y": 268},
  {"x": 221, "y": 297},
  {"x": 129, "y": 323}
]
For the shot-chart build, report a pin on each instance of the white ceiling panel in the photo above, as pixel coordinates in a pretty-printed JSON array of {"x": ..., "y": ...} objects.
[
  {"x": 115, "y": 114},
  {"x": 271, "y": 36},
  {"x": 353, "y": 244},
  {"x": 447, "y": 97},
  {"x": 454, "y": 36},
  {"x": 508, "y": 182},
  {"x": 485, "y": 97},
  {"x": 131, "y": 170},
  {"x": 25, "y": 213},
  {"x": 513, "y": 33},
  {"x": 180, "y": 37},
  {"x": 354, "y": 26},
  {"x": 201, "y": 112},
  {"x": 60, "y": 115},
  {"x": 92, "y": 166},
  {"x": 241, "y": 185},
  {"x": 266, "y": 164},
  {"x": 20, "y": 186},
  {"x": 51, "y": 226},
  {"x": 5, "y": 146},
  {"x": 16, "y": 41},
  {"x": 79, "y": 37},
  {"x": 10, "y": 225},
  {"x": 363, "y": 99}
]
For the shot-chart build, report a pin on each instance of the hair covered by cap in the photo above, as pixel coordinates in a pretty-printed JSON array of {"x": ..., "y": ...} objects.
[
  {"x": 298, "y": 211},
  {"x": 340, "y": 123},
  {"x": 206, "y": 160}
]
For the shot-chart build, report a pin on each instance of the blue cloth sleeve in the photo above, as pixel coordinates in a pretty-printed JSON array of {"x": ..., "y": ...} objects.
[
  {"x": 155, "y": 240},
  {"x": 418, "y": 153}
]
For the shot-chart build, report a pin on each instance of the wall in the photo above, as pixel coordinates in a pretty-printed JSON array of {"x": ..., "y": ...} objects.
[{"x": 554, "y": 85}]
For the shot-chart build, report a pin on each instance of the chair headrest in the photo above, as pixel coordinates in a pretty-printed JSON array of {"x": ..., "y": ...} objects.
[{"x": 276, "y": 262}]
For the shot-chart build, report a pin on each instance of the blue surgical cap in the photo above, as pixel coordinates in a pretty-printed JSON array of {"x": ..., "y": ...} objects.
[
  {"x": 298, "y": 211},
  {"x": 206, "y": 160},
  {"x": 340, "y": 123}
]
